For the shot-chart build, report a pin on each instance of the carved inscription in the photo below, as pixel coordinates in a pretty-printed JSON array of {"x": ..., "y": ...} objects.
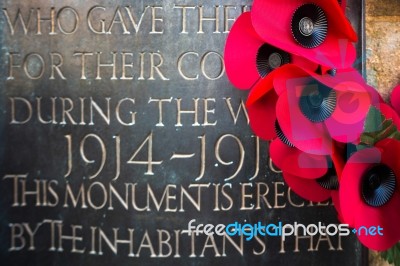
[{"x": 119, "y": 127}]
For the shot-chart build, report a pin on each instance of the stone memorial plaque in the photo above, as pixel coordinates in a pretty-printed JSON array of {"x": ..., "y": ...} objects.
[{"x": 118, "y": 127}]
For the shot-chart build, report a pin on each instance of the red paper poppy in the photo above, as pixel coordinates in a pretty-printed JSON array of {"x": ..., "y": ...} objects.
[
  {"x": 369, "y": 191},
  {"x": 316, "y": 30},
  {"x": 248, "y": 58},
  {"x": 313, "y": 110}
]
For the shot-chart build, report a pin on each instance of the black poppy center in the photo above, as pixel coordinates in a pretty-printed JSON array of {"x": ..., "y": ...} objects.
[
  {"x": 329, "y": 180},
  {"x": 281, "y": 135},
  {"x": 378, "y": 185},
  {"x": 374, "y": 181},
  {"x": 317, "y": 102},
  {"x": 306, "y": 26},
  {"x": 315, "y": 99},
  {"x": 268, "y": 58},
  {"x": 309, "y": 25},
  {"x": 275, "y": 60}
]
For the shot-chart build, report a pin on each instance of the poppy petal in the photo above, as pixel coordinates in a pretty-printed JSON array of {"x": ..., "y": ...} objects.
[
  {"x": 262, "y": 116},
  {"x": 304, "y": 63},
  {"x": 285, "y": 74},
  {"x": 306, "y": 188},
  {"x": 240, "y": 53},
  {"x": 296, "y": 162},
  {"x": 342, "y": 4},
  {"x": 395, "y": 99},
  {"x": 261, "y": 88}
]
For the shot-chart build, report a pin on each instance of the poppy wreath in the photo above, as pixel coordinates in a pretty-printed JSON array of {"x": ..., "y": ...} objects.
[{"x": 331, "y": 134}]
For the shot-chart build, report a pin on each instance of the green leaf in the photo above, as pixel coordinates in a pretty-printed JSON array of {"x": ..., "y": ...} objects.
[
  {"x": 377, "y": 128},
  {"x": 395, "y": 135},
  {"x": 392, "y": 255},
  {"x": 388, "y": 128},
  {"x": 368, "y": 139},
  {"x": 361, "y": 147},
  {"x": 374, "y": 120}
]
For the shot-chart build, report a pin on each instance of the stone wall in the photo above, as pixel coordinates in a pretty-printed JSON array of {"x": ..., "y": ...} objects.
[
  {"x": 383, "y": 44},
  {"x": 383, "y": 55}
]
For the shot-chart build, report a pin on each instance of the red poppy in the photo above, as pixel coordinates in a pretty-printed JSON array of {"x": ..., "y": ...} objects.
[
  {"x": 313, "y": 110},
  {"x": 316, "y": 30},
  {"x": 369, "y": 191},
  {"x": 248, "y": 58}
]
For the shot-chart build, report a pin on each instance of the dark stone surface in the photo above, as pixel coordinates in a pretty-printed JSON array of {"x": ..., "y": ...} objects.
[{"x": 40, "y": 151}]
